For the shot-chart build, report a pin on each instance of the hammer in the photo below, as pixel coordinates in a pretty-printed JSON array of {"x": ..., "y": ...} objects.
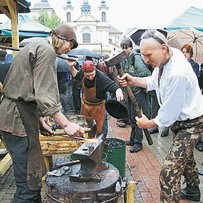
[{"x": 115, "y": 61}]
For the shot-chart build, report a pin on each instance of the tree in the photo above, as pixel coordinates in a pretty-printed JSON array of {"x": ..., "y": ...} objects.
[{"x": 50, "y": 21}]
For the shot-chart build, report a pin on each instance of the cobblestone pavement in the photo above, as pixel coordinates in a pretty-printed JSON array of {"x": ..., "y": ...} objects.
[{"x": 142, "y": 167}]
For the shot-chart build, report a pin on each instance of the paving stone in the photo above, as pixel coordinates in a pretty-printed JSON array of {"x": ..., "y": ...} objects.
[
  {"x": 154, "y": 153},
  {"x": 7, "y": 196}
]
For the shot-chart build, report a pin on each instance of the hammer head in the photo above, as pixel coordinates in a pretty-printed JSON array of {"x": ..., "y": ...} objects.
[
  {"x": 116, "y": 59},
  {"x": 93, "y": 125}
]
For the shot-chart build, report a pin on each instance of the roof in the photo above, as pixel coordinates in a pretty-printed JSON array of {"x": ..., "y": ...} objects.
[
  {"x": 114, "y": 30},
  {"x": 27, "y": 27},
  {"x": 41, "y": 5},
  {"x": 191, "y": 18},
  {"x": 22, "y": 6}
]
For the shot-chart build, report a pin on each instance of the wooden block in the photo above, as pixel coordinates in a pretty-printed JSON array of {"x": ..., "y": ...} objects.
[
  {"x": 59, "y": 145},
  {"x": 5, "y": 164}
]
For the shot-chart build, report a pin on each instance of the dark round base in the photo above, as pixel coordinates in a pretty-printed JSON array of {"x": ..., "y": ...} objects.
[{"x": 66, "y": 190}]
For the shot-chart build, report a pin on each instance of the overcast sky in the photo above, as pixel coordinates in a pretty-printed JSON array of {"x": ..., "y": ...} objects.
[{"x": 124, "y": 14}]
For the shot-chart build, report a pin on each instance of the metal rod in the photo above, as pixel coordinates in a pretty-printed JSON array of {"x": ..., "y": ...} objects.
[
  {"x": 9, "y": 48},
  {"x": 73, "y": 137},
  {"x": 17, "y": 49}
]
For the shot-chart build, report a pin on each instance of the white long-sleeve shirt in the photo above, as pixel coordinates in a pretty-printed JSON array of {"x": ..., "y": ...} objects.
[{"x": 178, "y": 94}]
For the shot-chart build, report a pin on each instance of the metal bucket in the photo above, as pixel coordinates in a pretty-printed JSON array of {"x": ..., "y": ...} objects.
[{"x": 115, "y": 150}]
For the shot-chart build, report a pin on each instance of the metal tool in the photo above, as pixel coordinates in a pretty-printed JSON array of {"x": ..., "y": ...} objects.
[
  {"x": 115, "y": 61},
  {"x": 90, "y": 180},
  {"x": 90, "y": 156},
  {"x": 73, "y": 137},
  {"x": 69, "y": 163},
  {"x": 93, "y": 127},
  {"x": 68, "y": 58}
]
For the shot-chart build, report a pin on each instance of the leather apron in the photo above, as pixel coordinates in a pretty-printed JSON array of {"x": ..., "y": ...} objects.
[
  {"x": 93, "y": 107},
  {"x": 36, "y": 168}
]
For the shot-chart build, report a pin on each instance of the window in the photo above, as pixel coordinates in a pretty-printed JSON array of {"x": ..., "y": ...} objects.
[
  {"x": 86, "y": 38},
  {"x": 103, "y": 17},
  {"x": 68, "y": 16}
]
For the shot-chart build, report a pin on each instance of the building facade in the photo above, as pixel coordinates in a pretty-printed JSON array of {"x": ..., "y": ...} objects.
[{"x": 92, "y": 33}]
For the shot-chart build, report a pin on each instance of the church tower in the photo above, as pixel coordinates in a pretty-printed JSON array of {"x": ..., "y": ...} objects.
[
  {"x": 103, "y": 8},
  {"x": 85, "y": 8},
  {"x": 68, "y": 9}
]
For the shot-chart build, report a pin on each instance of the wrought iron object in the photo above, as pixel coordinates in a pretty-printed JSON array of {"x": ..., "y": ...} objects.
[
  {"x": 89, "y": 181},
  {"x": 90, "y": 158}
]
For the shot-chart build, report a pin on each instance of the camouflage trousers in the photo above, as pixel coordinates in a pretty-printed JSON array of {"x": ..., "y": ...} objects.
[{"x": 180, "y": 159}]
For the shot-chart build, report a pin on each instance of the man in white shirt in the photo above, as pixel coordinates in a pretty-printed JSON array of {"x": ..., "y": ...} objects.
[{"x": 181, "y": 105}]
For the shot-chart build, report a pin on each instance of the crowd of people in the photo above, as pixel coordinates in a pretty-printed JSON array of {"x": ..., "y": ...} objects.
[{"x": 37, "y": 84}]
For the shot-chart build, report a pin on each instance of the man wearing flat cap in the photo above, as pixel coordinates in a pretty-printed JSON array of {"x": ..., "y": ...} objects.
[
  {"x": 31, "y": 92},
  {"x": 95, "y": 85}
]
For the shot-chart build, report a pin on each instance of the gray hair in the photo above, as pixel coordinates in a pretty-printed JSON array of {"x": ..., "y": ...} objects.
[{"x": 155, "y": 34}]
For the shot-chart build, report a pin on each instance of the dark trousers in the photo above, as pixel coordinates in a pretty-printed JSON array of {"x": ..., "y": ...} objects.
[
  {"x": 76, "y": 99},
  {"x": 66, "y": 97},
  {"x": 154, "y": 105},
  {"x": 143, "y": 102},
  {"x": 17, "y": 148}
]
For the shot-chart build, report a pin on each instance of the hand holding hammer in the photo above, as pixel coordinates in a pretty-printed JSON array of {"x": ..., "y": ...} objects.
[{"x": 115, "y": 60}]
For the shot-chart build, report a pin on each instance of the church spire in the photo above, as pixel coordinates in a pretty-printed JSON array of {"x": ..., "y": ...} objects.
[
  {"x": 85, "y": 8},
  {"x": 68, "y": 8},
  {"x": 69, "y": 5},
  {"x": 103, "y": 8},
  {"x": 103, "y": 5}
]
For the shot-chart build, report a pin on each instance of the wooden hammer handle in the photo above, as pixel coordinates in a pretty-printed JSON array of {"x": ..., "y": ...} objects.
[{"x": 137, "y": 109}]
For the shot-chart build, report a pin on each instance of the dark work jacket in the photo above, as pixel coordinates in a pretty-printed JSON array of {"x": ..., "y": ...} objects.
[{"x": 103, "y": 83}]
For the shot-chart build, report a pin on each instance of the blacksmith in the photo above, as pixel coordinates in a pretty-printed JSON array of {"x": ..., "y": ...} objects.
[
  {"x": 95, "y": 85},
  {"x": 31, "y": 91},
  {"x": 181, "y": 105}
]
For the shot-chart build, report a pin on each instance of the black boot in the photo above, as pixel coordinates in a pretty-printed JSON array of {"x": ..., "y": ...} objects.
[
  {"x": 153, "y": 130},
  {"x": 191, "y": 193},
  {"x": 165, "y": 132}
]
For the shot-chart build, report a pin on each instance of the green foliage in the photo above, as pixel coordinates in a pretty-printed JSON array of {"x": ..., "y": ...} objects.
[{"x": 50, "y": 21}]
